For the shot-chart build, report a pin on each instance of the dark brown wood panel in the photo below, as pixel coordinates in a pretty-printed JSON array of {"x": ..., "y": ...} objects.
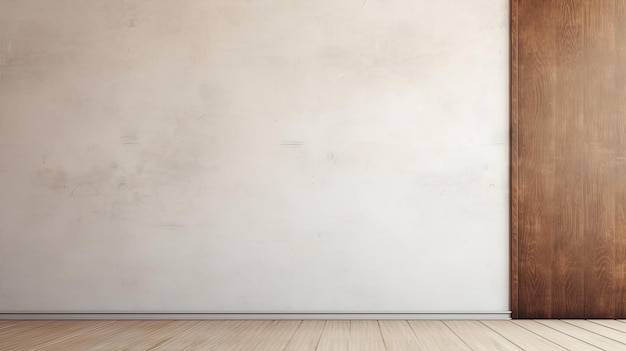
[
  {"x": 537, "y": 130},
  {"x": 620, "y": 159},
  {"x": 568, "y": 285},
  {"x": 600, "y": 116},
  {"x": 568, "y": 158}
]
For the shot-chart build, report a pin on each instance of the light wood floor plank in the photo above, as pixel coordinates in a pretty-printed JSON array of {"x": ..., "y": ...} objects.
[
  {"x": 20, "y": 327},
  {"x": 200, "y": 342},
  {"x": 49, "y": 334},
  {"x": 584, "y": 335},
  {"x": 610, "y": 323},
  {"x": 142, "y": 337},
  {"x": 205, "y": 332},
  {"x": 335, "y": 337},
  {"x": 5, "y": 324},
  {"x": 307, "y": 337},
  {"x": 275, "y": 337},
  {"x": 555, "y": 336},
  {"x": 540, "y": 335},
  {"x": 435, "y": 335},
  {"x": 522, "y": 338},
  {"x": 365, "y": 336},
  {"x": 479, "y": 337},
  {"x": 600, "y": 329},
  {"x": 398, "y": 336},
  {"x": 85, "y": 341},
  {"x": 241, "y": 336},
  {"x": 206, "y": 335}
]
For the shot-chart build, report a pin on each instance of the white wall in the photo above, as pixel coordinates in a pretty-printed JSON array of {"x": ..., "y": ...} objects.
[{"x": 254, "y": 156}]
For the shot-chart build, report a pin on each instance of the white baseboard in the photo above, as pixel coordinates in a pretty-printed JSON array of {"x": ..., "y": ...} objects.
[{"x": 256, "y": 316}]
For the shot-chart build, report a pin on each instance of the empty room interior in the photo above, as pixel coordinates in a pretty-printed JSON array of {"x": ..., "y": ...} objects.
[{"x": 313, "y": 175}]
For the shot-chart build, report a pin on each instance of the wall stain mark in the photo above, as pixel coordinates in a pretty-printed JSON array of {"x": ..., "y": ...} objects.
[
  {"x": 129, "y": 140},
  {"x": 7, "y": 54},
  {"x": 169, "y": 225},
  {"x": 332, "y": 158},
  {"x": 292, "y": 144}
]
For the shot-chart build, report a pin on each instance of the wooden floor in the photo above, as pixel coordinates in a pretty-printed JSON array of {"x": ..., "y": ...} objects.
[{"x": 535, "y": 335}]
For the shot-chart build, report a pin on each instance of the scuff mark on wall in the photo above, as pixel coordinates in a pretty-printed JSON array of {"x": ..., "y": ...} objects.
[{"x": 292, "y": 144}]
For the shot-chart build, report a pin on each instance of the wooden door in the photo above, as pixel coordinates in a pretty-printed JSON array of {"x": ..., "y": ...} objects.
[{"x": 568, "y": 155}]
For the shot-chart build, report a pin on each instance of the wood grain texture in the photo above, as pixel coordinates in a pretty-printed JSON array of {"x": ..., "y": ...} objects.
[
  {"x": 276, "y": 337},
  {"x": 307, "y": 337},
  {"x": 335, "y": 337},
  {"x": 90, "y": 340},
  {"x": 610, "y": 323},
  {"x": 479, "y": 337},
  {"x": 601, "y": 122},
  {"x": 567, "y": 284},
  {"x": 366, "y": 336},
  {"x": 521, "y": 337},
  {"x": 143, "y": 336},
  {"x": 21, "y": 326},
  {"x": 399, "y": 336},
  {"x": 566, "y": 341},
  {"x": 620, "y": 159},
  {"x": 599, "y": 329},
  {"x": 5, "y": 324},
  {"x": 568, "y": 159},
  {"x": 517, "y": 335},
  {"x": 591, "y": 338},
  {"x": 246, "y": 334},
  {"x": 537, "y": 167},
  {"x": 438, "y": 336},
  {"x": 51, "y": 333},
  {"x": 198, "y": 336}
]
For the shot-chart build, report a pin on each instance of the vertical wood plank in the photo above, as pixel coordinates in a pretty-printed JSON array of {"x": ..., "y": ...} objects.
[
  {"x": 567, "y": 226},
  {"x": 568, "y": 159},
  {"x": 620, "y": 245},
  {"x": 620, "y": 160},
  {"x": 599, "y": 182},
  {"x": 537, "y": 166}
]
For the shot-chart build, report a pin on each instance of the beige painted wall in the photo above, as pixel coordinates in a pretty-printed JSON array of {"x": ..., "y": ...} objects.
[{"x": 253, "y": 156}]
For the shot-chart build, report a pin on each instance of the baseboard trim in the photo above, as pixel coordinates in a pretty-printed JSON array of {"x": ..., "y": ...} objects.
[{"x": 257, "y": 316}]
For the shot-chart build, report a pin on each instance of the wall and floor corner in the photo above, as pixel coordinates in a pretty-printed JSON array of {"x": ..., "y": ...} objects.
[{"x": 231, "y": 156}]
